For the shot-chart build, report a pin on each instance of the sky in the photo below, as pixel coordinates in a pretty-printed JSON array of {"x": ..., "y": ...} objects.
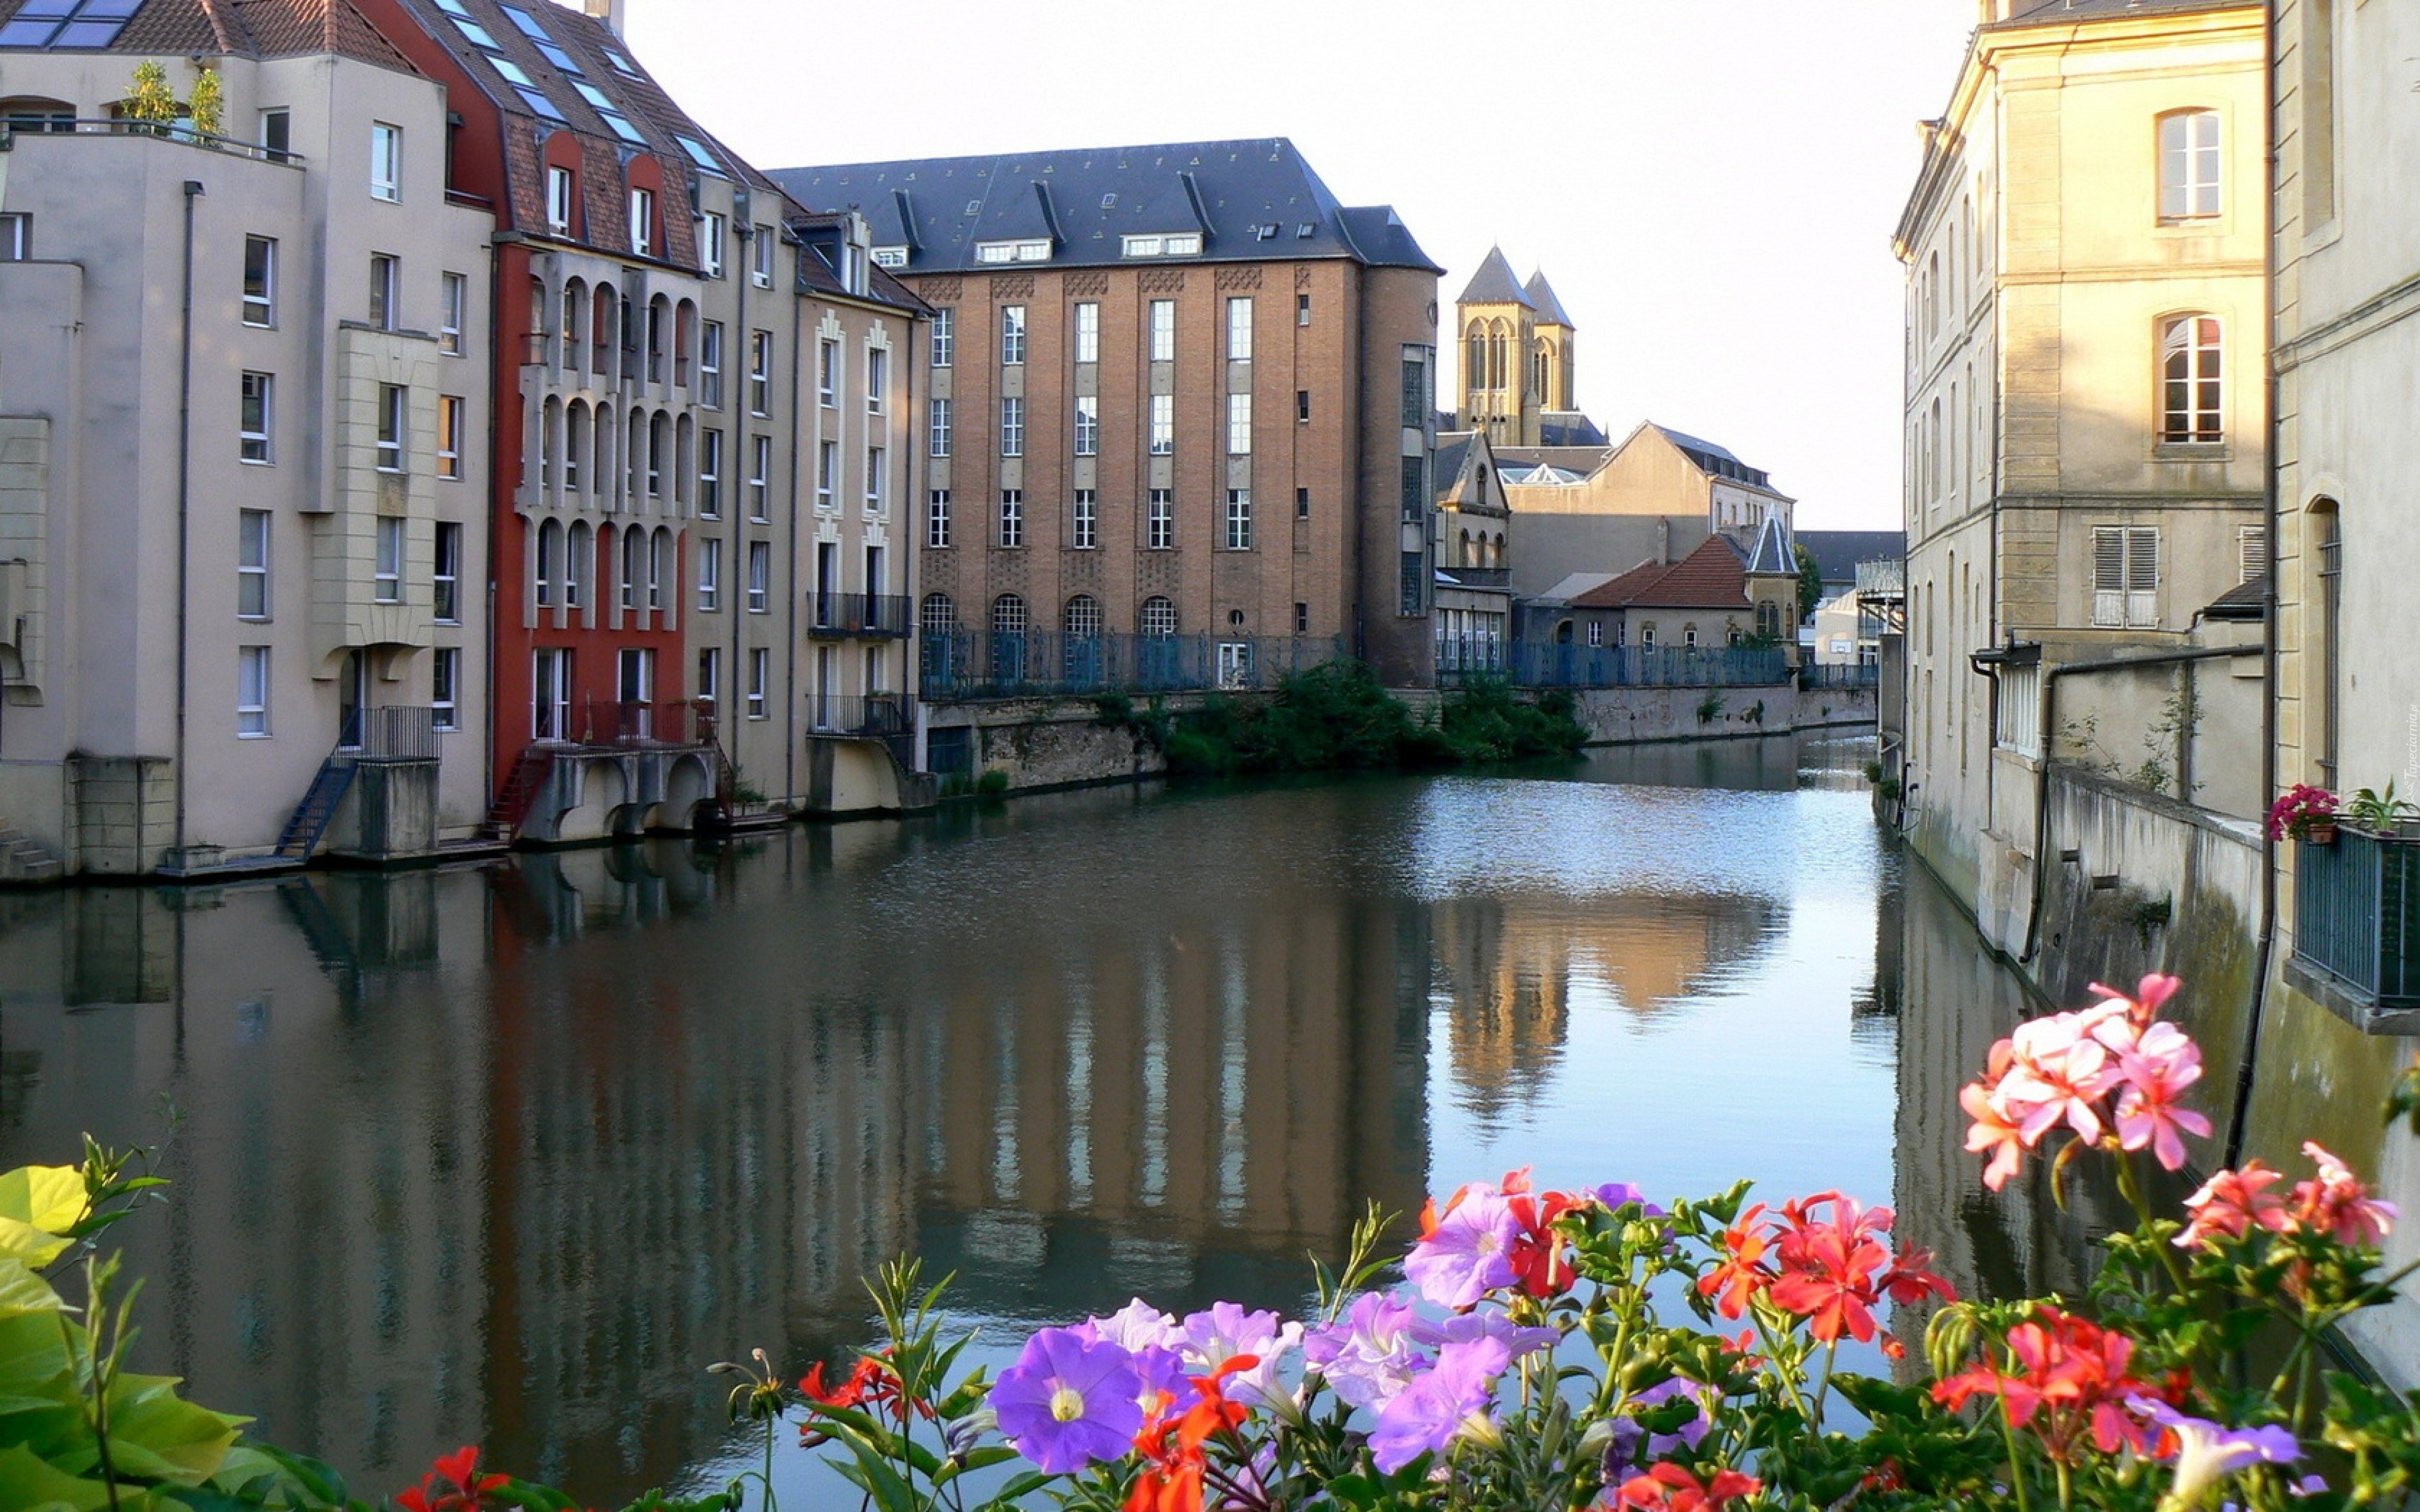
[{"x": 1711, "y": 185}]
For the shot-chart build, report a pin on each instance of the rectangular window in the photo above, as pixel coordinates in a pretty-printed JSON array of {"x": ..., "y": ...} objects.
[
  {"x": 1302, "y": 309},
  {"x": 252, "y": 564},
  {"x": 1239, "y": 520},
  {"x": 259, "y": 281},
  {"x": 709, "y": 365},
  {"x": 2251, "y": 553},
  {"x": 709, "y": 475},
  {"x": 1088, "y": 332},
  {"x": 937, "y": 519},
  {"x": 1012, "y": 427},
  {"x": 873, "y": 479},
  {"x": 1417, "y": 410},
  {"x": 1163, "y": 423},
  {"x": 713, "y": 232},
  {"x": 446, "y": 582},
  {"x": 878, "y": 380},
  {"x": 1163, "y": 331},
  {"x": 386, "y": 161},
  {"x": 16, "y": 238},
  {"x": 1416, "y": 489},
  {"x": 2193, "y": 384},
  {"x": 827, "y": 374},
  {"x": 709, "y": 676},
  {"x": 760, "y": 576},
  {"x": 761, "y": 273},
  {"x": 2125, "y": 574},
  {"x": 392, "y": 398},
  {"x": 445, "y": 687},
  {"x": 945, "y": 328},
  {"x": 937, "y": 429},
  {"x": 1239, "y": 331},
  {"x": 386, "y": 575},
  {"x": 549, "y": 694},
  {"x": 1011, "y": 335},
  {"x": 1239, "y": 425},
  {"x": 252, "y": 691},
  {"x": 760, "y": 673},
  {"x": 2188, "y": 165},
  {"x": 1159, "y": 523},
  {"x": 1012, "y": 516},
  {"x": 1086, "y": 532},
  {"x": 560, "y": 196},
  {"x": 449, "y": 436},
  {"x": 1302, "y": 406},
  {"x": 1088, "y": 426},
  {"x": 1302, "y": 503},
  {"x": 454, "y": 301},
  {"x": 1301, "y": 618},
  {"x": 276, "y": 134},
  {"x": 760, "y": 478},
  {"x": 710, "y": 574},
  {"x": 760, "y": 373},
  {"x": 384, "y": 292},
  {"x": 258, "y": 405},
  {"x": 828, "y": 475}
]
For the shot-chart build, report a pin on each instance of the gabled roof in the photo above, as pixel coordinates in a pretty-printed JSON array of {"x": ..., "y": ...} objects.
[
  {"x": 208, "y": 28},
  {"x": 1250, "y": 200},
  {"x": 1837, "y": 553},
  {"x": 1715, "y": 461},
  {"x": 1774, "y": 554},
  {"x": 2052, "y": 13},
  {"x": 1713, "y": 577},
  {"x": 1569, "y": 428},
  {"x": 1453, "y": 459},
  {"x": 1494, "y": 283},
  {"x": 1550, "y": 309}
]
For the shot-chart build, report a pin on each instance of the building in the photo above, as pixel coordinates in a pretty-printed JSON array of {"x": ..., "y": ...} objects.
[
  {"x": 1845, "y": 631},
  {"x": 1519, "y": 353},
  {"x": 2340, "y": 1009},
  {"x": 1474, "y": 578},
  {"x": 243, "y": 470},
  {"x": 2084, "y": 420},
  {"x": 1721, "y": 594},
  {"x": 1659, "y": 493},
  {"x": 701, "y": 444},
  {"x": 1180, "y": 416}
]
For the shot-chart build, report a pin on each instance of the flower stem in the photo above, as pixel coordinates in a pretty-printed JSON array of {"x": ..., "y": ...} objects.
[{"x": 2016, "y": 1465}]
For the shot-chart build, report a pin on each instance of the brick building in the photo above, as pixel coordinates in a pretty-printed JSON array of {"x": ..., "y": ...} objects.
[{"x": 1179, "y": 419}]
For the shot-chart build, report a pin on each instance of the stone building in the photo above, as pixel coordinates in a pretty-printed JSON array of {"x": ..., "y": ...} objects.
[
  {"x": 1607, "y": 508},
  {"x": 1179, "y": 396},
  {"x": 2084, "y": 421},
  {"x": 243, "y": 470},
  {"x": 1519, "y": 353},
  {"x": 1474, "y": 578}
]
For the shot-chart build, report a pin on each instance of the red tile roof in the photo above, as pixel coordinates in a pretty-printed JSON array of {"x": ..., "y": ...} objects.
[{"x": 1711, "y": 577}]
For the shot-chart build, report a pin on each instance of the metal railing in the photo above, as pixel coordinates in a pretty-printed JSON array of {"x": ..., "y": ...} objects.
[
  {"x": 956, "y": 665},
  {"x": 635, "y": 725},
  {"x": 1553, "y": 664},
  {"x": 167, "y": 130},
  {"x": 1461, "y": 658},
  {"x": 1882, "y": 578},
  {"x": 1480, "y": 576},
  {"x": 867, "y": 714},
  {"x": 1844, "y": 675},
  {"x": 390, "y": 732},
  {"x": 2357, "y": 913},
  {"x": 859, "y": 614}
]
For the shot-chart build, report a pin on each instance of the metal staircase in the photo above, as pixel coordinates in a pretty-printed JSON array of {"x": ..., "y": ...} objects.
[
  {"x": 318, "y": 806},
  {"x": 513, "y": 800}
]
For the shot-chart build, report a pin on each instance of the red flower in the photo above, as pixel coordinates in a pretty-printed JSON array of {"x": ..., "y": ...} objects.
[
  {"x": 1742, "y": 1275},
  {"x": 1171, "y": 1449},
  {"x": 1667, "y": 1488},
  {"x": 2069, "y": 1374},
  {"x": 1828, "y": 1279},
  {"x": 861, "y": 1383},
  {"x": 453, "y": 1485}
]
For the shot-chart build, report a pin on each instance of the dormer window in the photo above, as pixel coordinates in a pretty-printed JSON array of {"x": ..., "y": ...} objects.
[
  {"x": 852, "y": 267},
  {"x": 1026, "y": 249},
  {"x": 643, "y": 222},
  {"x": 890, "y": 256},
  {"x": 1187, "y": 245}
]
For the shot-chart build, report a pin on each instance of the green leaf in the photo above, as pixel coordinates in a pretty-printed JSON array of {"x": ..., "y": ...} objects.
[
  {"x": 38, "y": 1206},
  {"x": 874, "y": 1476},
  {"x": 29, "y": 1484}
]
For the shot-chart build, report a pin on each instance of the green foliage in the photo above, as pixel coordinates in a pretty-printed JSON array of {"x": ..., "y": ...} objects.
[
  {"x": 1709, "y": 708},
  {"x": 148, "y": 99},
  {"x": 208, "y": 107},
  {"x": 1336, "y": 717},
  {"x": 2379, "y": 812},
  {"x": 1810, "y": 583},
  {"x": 992, "y": 784}
]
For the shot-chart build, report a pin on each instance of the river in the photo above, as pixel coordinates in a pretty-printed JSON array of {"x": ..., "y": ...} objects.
[{"x": 506, "y": 1154}]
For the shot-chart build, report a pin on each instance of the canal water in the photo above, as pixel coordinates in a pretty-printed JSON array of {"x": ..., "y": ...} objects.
[{"x": 508, "y": 1154}]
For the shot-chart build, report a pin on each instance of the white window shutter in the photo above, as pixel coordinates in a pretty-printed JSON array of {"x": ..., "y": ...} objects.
[
  {"x": 2142, "y": 576},
  {"x": 2108, "y": 575},
  {"x": 2252, "y": 552}
]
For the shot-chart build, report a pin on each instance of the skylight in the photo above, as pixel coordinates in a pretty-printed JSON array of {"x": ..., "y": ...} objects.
[
  {"x": 699, "y": 153},
  {"x": 621, "y": 63},
  {"x": 528, "y": 27},
  {"x": 479, "y": 35},
  {"x": 67, "y": 22},
  {"x": 619, "y": 123},
  {"x": 527, "y": 88}
]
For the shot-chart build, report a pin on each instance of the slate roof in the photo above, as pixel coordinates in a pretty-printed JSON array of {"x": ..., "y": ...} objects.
[
  {"x": 1713, "y": 577},
  {"x": 1715, "y": 460},
  {"x": 2051, "y": 12},
  {"x": 1580, "y": 459},
  {"x": 1569, "y": 428},
  {"x": 1550, "y": 309},
  {"x": 1254, "y": 200},
  {"x": 1494, "y": 283},
  {"x": 1837, "y": 553},
  {"x": 1452, "y": 455},
  {"x": 246, "y": 28},
  {"x": 2245, "y": 601},
  {"x": 1775, "y": 554}
]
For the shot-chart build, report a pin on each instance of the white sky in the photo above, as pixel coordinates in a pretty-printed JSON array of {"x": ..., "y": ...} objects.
[{"x": 1710, "y": 184}]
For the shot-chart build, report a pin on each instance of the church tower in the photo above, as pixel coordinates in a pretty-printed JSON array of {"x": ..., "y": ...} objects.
[
  {"x": 1495, "y": 319},
  {"x": 1550, "y": 348}
]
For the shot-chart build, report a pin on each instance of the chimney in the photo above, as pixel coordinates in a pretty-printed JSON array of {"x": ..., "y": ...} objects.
[{"x": 608, "y": 11}]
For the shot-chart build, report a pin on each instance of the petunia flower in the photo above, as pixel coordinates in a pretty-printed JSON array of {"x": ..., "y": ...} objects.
[
  {"x": 2208, "y": 1453},
  {"x": 1614, "y": 1195},
  {"x": 1068, "y": 1401},
  {"x": 1469, "y": 1252},
  {"x": 1368, "y": 1355},
  {"x": 1135, "y": 1326},
  {"x": 1428, "y": 1415}
]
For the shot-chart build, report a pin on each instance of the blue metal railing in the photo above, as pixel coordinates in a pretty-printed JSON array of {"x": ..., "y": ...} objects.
[
  {"x": 1553, "y": 664},
  {"x": 955, "y": 665},
  {"x": 1846, "y": 676},
  {"x": 2357, "y": 913}
]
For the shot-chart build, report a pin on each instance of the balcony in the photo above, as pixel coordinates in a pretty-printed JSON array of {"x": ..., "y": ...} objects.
[
  {"x": 957, "y": 665},
  {"x": 837, "y": 615},
  {"x": 632, "y": 725},
  {"x": 1480, "y": 576},
  {"x": 881, "y": 716},
  {"x": 2357, "y": 927}
]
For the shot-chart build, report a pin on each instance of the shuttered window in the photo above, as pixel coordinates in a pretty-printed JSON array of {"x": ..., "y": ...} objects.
[
  {"x": 2125, "y": 574},
  {"x": 2250, "y": 553}
]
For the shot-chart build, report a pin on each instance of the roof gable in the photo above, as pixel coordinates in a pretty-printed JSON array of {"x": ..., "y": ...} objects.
[
  {"x": 1494, "y": 283},
  {"x": 1550, "y": 309}
]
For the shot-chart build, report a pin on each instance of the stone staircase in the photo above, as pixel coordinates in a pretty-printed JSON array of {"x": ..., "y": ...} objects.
[{"x": 22, "y": 861}]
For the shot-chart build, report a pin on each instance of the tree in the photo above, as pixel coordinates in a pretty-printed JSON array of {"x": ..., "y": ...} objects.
[{"x": 1810, "y": 583}]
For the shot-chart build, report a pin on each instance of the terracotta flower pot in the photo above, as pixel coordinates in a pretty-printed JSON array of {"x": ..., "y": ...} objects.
[{"x": 2320, "y": 832}]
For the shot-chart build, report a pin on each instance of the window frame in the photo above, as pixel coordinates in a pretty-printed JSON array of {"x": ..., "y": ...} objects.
[
  {"x": 878, "y": 380},
  {"x": 386, "y": 162},
  {"x": 1012, "y": 424},
  {"x": 1087, "y": 424},
  {"x": 760, "y": 479},
  {"x": 445, "y": 574},
  {"x": 1238, "y": 519},
  {"x": 944, "y": 337},
  {"x": 760, "y": 674},
  {"x": 937, "y": 532},
  {"x": 393, "y": 450},
  {"x": 709, "y": 575},
  {"x": 1161, "y": 435},
  {"x": 760, "y": 576},
  {"x": 446, "y": 689},
  {"x": 1011, "y": 335},
  {"x": 389, "y": 551},
  {"x": 256, "y": 444},
  {"x": 2192, "y": 352},
  {"x": 251, "y": 677},
  {"x": 1239, "y": 425},
  {"x": 561, "y": 199},
  {"x": 1161, "y": 319},
  {"x": 254, "y": 529},
  {"x": 2190, "y": 187},
  {"x": 453, "y": 312},
  {"x": 876, "y": 470},
  {"x": 760, "y": 373},
  {"x": 709, "y": 472},
  {"x": 1084, "y": 521},
  {"x": 386, "y": 291},
  {"x": 265, "y": 302},
  {"x": 1088, "y": 331},
  {"x": 713, "y": 240},
  {"x": 827, "y": 374},
  {"x": 1012, "y": 519},
  {"x": 1159, "y": 520},
  {"x": 1239, "y": 329},
  {"x": 937, "y": 428},
  {"x": 451, "y": 407},
  {"x": 828, "y": 475}
]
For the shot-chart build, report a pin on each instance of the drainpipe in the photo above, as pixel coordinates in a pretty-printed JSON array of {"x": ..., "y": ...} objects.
[
  {"x": 184, "y": 499},
  {"x": 733, "y": 596},
  {"x": 2274, "y": 506},
  {"x": 790, "y": 733},
  {"x": 2049, "y": 736}
]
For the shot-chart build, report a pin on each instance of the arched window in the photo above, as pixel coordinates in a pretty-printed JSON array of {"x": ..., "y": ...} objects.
[
  {"x": 659, "y": 558},
  {"x": 1499, "y": 340},
  {"x": 550, "y": 561},
  {"x": 1496, "y": 558},
  {"x": 1083, "y": 617},
  {"x": 1008, "y": 615},
  {"x": 1158, "y": 616},
  {"x": 32, "y": 115},
  {"x": 602, "y": 334},
  {"x": 550, "y": 441},
  {"x": 2191, "y": 380},
  {"x": 1563, "y": 632},
  {"x": 684, "y": 340},
  {"x": 1462, "y": 557},
  {"x": 1476, "y": 375},
  {"x": 636, "y": 457},
  {"x": 2188, "y": 165},
  {"x": 938, "y": 615},
  {"x": 1689, "y": 635},
  {"x": 575, "y": 317},
  {"x": 575, "y": 443},
  {"x": 578, "y": 556},
  {"x": 659, "y": 319},
  {"x": 1541, "y": 365},
  {"x": 659, "y": 445},
  {"x": 634, "y": 565},
  {"x": 1646, "y": 635}
]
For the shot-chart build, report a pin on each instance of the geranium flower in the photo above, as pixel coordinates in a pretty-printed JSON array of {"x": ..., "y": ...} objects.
[
  {"x": 2057, "y": 1073},
  {"x": 1742, "y": 1275},
  {"x": 1426, "y": 1416},
  {"x": 2339, "y": 1205},
  {"x": 2143, "y": 1003},
  {"x": 453, "y": 1484},
  {"x": 1366, "y": 1357},
  {"x": 1995, "y": 1130},
  {"x": 2065, "y": 1373},
  {"x": 2233, "y": 1203},
  {"x": 2157, "y": 1070},
  {"x": 1669, "y": 1488},
  {"x": 1828, "y": 1280},
  {"x": 2206, "y": 1453},
  {"x": 1068, "y": 1401},
  {"x": 1468, "y": 1252},
  {"x": 1171, "y": 1445}
]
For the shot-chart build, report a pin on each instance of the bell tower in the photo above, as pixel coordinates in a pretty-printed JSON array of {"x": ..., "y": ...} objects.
[{"x": 1495, "y": 324}]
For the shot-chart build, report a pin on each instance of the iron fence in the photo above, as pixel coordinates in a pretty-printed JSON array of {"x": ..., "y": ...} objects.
[
  {"x": 2357, "y": 912},
  {"x": 859, "y": 614},
  {"x": 632, "y": 724},
  {"x": 390, "y": 733},
  {"x": 1464, "y": 658},
  {"x": 956, "y": 665},
  {"x": 1840, "y": 675},
  {"x": 868, "y": 714},
  {"x": 1553, "y": 664}
]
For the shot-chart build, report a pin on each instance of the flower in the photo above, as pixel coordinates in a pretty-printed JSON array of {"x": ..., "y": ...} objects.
[
  {"x": 2298, "y": 808},
  {"x": 2206, "y": 1453},
  {"x": 453, "y": 1484},
  {"x": 1830, "y": 1281},
  {"x": 1994, "y": 1131},
  {"x": 1743, "y": 1275},
  {"x": 2232, "y": 1203},
  {"x": 1667, "y": 1488},
  {"x": 2162, "y": 1063},
  {"x": 1138, "y": 1325},
  {"x": 2337, "y": 1204},
  {"x": 2057, "y": 1073},
  {"x": 1467, "y": 1253},
  {"x": 1068, "y": 1401},
  {"x": 1426, "y": 1416},
  {"x": 1465, "y": 1327},
  {"x": 1615, "y": 1195},
  {"x": 848, "y": 1393},
  {"x": 1209, "y": 1339},
  {"x": 1367, "y": 1356},
  {"x": 2065, "y": 1372},
  {"x": 1633, "y": 1441},
  {"x": 1171, "y": 1447}
]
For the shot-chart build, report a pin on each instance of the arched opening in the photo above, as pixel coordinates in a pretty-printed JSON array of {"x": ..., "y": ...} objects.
[
  {"x": 601, "y": 334},
  {"x": 575, "y": 317},
  {"x": 684, "y": 461},
  {"x": 635, "y": 458},
  {"x": 659, "y": 562},
  {"x": 684, "y": 341},
  {"x": 549, "y": 442},
  {"x": 1008, "y": 626},
  {"x": 601, "y": 465},
  {"x": 1158, "y": 616},
  {"x": 579, "y": 555},
  {"x": 660, "y": 335},
  {"x": 634, "y": 565},
  {"x": 1563, "y": 632},
  {"x": 34, "y": 115},
  {"x": 550, "y": 561},
  {"x": 659, "y": 445},
  {"x": 575, "y": 443},
  {"x": 1082, "y": 647}
]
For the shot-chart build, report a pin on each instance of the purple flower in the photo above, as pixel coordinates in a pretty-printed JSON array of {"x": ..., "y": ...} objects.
[
  {"x": 1138, "y": 1325},
  {"x": 1069, "y": 1401},
  {"x": 2208, "y": 1453},
  {"x": 1465, "y": 1327},
  {"x": 1161, "y": 1371},
  {"x": 1469, "y": 1254},
  {"x": 1211, "y": 1339},
  {"x": 1614, "y": 1193},
  {"x": 1425, "y": 1416},
  {"x": 1631, "y": 1437},
  {"x": 1366, "y": 1357}
]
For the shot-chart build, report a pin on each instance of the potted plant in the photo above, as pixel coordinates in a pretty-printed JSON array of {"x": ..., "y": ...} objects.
[
  {"x": 2305, "y": 813},
  {"x": 2378, "y": 813}
]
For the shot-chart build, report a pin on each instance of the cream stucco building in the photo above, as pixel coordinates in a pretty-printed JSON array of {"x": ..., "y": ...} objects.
[{"x": 2085, "y": 424}]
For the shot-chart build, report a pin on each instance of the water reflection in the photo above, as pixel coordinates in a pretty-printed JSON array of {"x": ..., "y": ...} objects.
[{"x": 506, "y": 1154}]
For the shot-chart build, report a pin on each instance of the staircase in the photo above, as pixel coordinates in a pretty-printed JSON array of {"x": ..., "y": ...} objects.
[
  {"x": 726, "y": 778},
  {"x": 318, "y": 806},
  {"x": 21, "y": 860},
  {"x": 513, "y": 800}
]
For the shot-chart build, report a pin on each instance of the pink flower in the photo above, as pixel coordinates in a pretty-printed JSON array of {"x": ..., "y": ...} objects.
[
  {"x": 2162, "y": 1064},
  {"x": 2143, "y": 1003},
  {"x": 2338, "y": 1204},
  {"x": 2058, "y": 1073},
  {"x": 2232, "y": 1203},
  {"x": 1994, "y": 1131}
]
